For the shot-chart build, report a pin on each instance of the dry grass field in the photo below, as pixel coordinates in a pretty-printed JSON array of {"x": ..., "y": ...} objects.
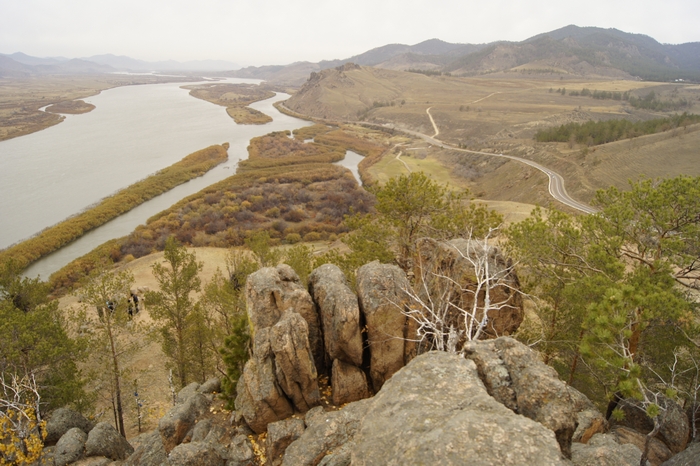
[{"x": 501, "y": 113}]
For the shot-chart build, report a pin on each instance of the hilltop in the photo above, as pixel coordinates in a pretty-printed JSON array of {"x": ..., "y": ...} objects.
[{"x": 569, "y": 51}]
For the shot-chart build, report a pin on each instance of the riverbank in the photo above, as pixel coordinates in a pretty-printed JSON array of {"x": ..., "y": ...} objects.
[
  {"x": 59, "y": 235},
  {"x": 288, "y": 187},
  {"x": 22, "y": 98}
]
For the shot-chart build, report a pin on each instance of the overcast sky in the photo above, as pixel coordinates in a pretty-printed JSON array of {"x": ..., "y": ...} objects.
[{"x": 258, "y": 32}]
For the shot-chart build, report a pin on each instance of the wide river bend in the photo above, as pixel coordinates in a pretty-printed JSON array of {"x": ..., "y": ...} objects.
[{"x": 133, "y": 132}]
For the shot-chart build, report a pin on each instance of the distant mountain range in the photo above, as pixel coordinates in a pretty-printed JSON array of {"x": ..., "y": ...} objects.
[
  {"x": 18, "y": 65},
  {"x": 572, "y": 50}
]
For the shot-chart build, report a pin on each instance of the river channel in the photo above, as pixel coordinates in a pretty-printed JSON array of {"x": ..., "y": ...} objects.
[{"x": 134, "y": 131}]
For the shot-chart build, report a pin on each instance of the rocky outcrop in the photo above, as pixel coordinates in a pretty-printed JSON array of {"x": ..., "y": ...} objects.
[
  {"x": 149, "y": 452},
  {"x": 675, "y": 427},
  {"x": 515, "y": 376},
  {"x": 104, "y": 440},
  {"x": 198, "y": 454},
  {"x": 61, "y": 421},
  {"x": 381, "y": 290},
  {"x": 603, "y": 450},
  {"x": 461, "y": 260},
  {"x": 348, "y": 382},
  {"x": 688, "y": 457},
  {"x": 340, "y": 314},
  {"x": 658, "y": 451},
  {"x": 326, "y": 432},
  {"x": 294, "y": 365},
  {"x": 433, "y": 411},
  {"x": 272, "y": 290},
  {"x": 180, "y": 419},
  {"x": 280, "y": 435},
  {"x": 70, "y": 447},
  {"x": 259, "y": 399}
]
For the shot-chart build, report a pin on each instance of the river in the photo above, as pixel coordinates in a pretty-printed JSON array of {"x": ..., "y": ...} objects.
[{"x": 133, "y": 132}]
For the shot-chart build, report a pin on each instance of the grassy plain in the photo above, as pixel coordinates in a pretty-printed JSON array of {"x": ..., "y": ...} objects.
[{"x": 21, "y": 99}]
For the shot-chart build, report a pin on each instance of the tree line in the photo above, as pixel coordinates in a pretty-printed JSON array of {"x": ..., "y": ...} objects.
[{"x": 593, "y": 133}]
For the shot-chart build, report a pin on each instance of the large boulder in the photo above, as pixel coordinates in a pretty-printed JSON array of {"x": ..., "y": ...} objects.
[
  {"x": 279, "y": 435},
  {"x": 675, "y": 428},
  {"x": 272, "y": 290},
  {"x": 436, "y": 411},
  {"x": 340, "y": 314},
  {"x": 294, "y": 365},
  {"x": 325, "y": 432},
  {"x": 188, "y": 391},
  {"x": 149, "y": 452},
  {"x": 61, "y": 421},
  {"x": 531, "y": 388},
  {"x": 603, "y": 450},
  {"x": 259, "y": 398},
  {"x": 349, "y": 383},
  {"x": 70, "y": 447},
  {"x": 382, "y": 294},
  {"x": 467, "y": 263},
  {"x": 658, "y": 451},
  {"x": 198, "y": 454},
  {"x": 211, "y": 386},
  {"x": 177, "y": 422},
  {"x": 104, "y": 440},
  {"x": 688, "y": 457}
]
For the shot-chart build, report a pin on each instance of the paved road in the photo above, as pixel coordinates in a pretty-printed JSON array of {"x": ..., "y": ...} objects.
[{"x": 556, "y": 182}]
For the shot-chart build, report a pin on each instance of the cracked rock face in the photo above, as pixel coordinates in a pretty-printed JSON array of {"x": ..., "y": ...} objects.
[
  {"x": 380, "y": 289},
  {"x": 272, "y": 290},
  {"x": 436, "y": 410},
  {"x": 340, "y": 314},
  {"x": 515, "y": 376}
]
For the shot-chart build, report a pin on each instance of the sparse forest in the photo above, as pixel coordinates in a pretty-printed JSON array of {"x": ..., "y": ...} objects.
[{"x": 593, "y": 133}]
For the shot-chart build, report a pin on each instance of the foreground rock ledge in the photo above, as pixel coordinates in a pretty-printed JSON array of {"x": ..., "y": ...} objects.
[{"x": 436, "y": 410}]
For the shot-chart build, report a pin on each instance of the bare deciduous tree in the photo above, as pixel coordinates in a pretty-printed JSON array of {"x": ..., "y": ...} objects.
[
  {"x": 450, "y": 308},
  {"x": 21, "y": 427}
]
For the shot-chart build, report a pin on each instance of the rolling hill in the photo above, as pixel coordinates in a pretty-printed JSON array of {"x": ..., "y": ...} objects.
[{"x": 572, "y": 50}]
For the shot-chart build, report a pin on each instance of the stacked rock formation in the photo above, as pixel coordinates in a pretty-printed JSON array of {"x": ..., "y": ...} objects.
[{"x": 358, "y": 340}]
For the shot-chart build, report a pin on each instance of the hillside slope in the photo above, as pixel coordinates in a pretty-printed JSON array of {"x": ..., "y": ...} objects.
[{"x": 568, "y": 51}]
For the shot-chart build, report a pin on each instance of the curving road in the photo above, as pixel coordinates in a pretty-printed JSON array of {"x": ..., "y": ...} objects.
[{"x": 556, "y": 182}]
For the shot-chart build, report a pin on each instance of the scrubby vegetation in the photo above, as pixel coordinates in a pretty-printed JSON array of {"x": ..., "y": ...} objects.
[
  {"x": 72, "y": 107},
  {"x": 57, "y": 236},
  {"x": 601, "y": 132},
  {"x": 248, "y": 116},
  {"x": 235, "y": 97},
  {"x": 287, "y": 188}
]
